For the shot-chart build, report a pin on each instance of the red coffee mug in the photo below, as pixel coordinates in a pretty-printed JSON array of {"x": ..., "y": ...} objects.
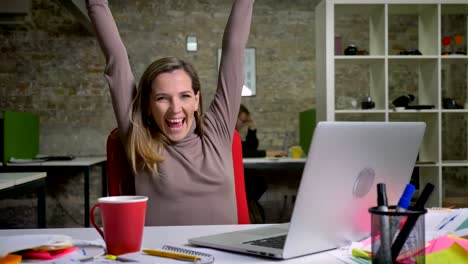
[{"x": 123, "y": 220}]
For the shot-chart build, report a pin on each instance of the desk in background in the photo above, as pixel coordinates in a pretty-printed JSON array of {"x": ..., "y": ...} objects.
[
  {"x": 281, "y": 178},
  {"x": 274, "y": 163},
  {"x": 78, "y": 164},
  {"x": 155, "y": 237},
  {"x": 12, "y": 183}
]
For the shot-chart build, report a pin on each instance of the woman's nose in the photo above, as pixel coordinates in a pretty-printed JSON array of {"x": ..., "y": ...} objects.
[{"x": 175, "y": 105}]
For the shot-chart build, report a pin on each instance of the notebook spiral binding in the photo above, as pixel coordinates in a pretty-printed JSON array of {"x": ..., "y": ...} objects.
[{"x": 205, "y": 257}]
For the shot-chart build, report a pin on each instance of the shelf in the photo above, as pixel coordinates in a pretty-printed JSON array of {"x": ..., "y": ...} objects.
[
  {"x": 360, "y": 111},
  {"x": 386, "y": 28},
  {"x": 414, "y": 111},
  {"x": 454, "y": 59},
  {"x": 448, "y": 111},
  {"x": 411, "y": 59},
  {"x": 455, "y": 163},
  {"x": 426, "y": 165},
  {"x": 359, "y": 59}
]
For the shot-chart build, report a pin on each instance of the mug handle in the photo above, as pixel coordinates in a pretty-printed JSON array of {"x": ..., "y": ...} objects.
[{"x": 99, "y": 229}]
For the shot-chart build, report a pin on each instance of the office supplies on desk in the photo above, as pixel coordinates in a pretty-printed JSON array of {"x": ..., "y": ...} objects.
[
  {"x": 341, "y": 166},
  {"x": 400, "y": 240}
]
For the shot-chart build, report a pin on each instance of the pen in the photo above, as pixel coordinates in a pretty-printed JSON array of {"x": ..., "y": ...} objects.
[
  {"x": 411, "y": 221},
  {"x": 173, "y": 255},
  {"x": 446, "y": 223},
  {"x": 384, "y": 249}
]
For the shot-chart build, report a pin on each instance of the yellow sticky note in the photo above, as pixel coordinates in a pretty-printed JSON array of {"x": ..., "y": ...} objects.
[
  {"x": 453, "y": 254},
  {"x": 359, "y": 253}
]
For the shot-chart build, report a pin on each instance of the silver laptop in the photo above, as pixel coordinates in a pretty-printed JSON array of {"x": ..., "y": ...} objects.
[{"x": 345, "y": 162}]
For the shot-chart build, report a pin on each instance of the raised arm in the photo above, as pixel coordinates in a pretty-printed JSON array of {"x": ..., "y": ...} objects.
[
  {"x": 117, "y": 72},
  {"x": 227, "y": 99}
]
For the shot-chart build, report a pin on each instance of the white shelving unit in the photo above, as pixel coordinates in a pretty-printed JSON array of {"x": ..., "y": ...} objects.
[{"x": 382, "y": 28}]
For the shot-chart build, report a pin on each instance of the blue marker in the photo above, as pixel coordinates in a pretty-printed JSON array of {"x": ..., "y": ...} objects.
[
  {"x": 411, "y": 221},
  {"x": 402, "y": 206},
  {"x": 405, "y": 199}
]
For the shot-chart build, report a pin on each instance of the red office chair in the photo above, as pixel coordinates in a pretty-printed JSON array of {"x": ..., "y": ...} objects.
[
  {"x": 119, "y": 174},
  {"x": 120, "y": 177},
  {"x": 241, "y": 197}
]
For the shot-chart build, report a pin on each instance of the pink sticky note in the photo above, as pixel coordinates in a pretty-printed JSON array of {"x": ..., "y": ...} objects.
[{"x": 445, "y": 242}]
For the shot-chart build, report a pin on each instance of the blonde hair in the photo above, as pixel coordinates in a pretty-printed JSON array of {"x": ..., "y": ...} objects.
[{"x": 146, "y": 142}]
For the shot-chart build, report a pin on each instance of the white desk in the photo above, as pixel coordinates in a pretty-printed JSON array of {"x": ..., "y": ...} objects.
[
  {"x": 81, "y": 164},
  {"x": 177, "y": 236},
  {"x": 17, "y": 182}
]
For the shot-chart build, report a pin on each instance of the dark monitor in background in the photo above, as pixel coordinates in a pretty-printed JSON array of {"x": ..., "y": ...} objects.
[{"x": 19, "y": 135}]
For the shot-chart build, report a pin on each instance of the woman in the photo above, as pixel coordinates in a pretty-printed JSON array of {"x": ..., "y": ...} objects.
[
  {"x": 250, "y": 144},
  {"x": 181, "y": 158}
]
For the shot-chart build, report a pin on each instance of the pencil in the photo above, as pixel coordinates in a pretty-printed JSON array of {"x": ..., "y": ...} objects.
[{"x": 172, "y": 255}]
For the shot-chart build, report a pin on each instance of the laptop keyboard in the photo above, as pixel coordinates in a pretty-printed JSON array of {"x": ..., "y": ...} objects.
[{"x": 272, "y": 242}]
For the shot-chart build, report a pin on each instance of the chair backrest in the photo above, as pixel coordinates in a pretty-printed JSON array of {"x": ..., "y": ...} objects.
[
  {"x": 119, "y": 174},
  {"x": 120, "y": 177},
  {"x": 241, "y": 197}
]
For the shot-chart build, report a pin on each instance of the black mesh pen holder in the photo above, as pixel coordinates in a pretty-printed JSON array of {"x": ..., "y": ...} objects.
[{"x": 397, "y": 236}]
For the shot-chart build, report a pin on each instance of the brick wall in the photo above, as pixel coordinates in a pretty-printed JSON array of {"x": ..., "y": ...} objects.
[{"x": 53, "y": 67}]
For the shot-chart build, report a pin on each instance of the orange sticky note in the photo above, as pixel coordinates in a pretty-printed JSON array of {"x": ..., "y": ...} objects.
[{"x": 11, "y": 259}]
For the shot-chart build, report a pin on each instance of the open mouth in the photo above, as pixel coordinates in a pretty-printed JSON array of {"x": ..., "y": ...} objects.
[{"x": 175, "y": 123}]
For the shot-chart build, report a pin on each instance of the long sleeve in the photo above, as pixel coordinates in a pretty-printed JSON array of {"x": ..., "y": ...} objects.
[
  {"x": 118, "y": 72},
  {"x": 225, "y": 105}
]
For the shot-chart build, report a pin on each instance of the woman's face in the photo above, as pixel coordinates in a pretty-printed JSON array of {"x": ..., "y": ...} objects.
[
  {"x": 173, "y": 103},
  {"x": 242, "y": 120}
]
